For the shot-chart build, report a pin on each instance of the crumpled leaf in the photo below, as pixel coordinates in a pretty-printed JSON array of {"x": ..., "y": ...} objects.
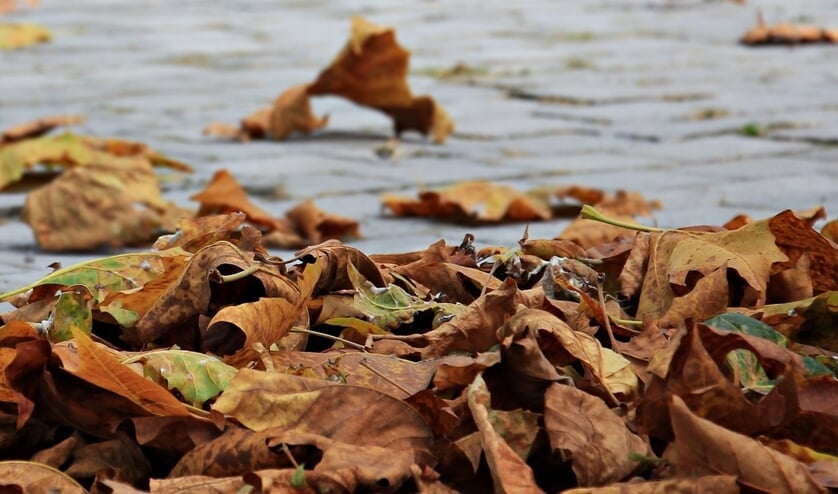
[
  {"x": 686, "y": 275},
  {"x": 316, "y": 225},
  {"x": 472, "y": 330},
  {"x": 189, "y": 296},
  {"x": 107, "y": 204},
  {"x": 291, "y": 112},
  {"x": 594, "y": 439},
  {"x": 29, "y": 476},
  {"x": 391, "y": 306},
  {"x": 704, "y": 448},
  {"x": 748, "y": 372},
  {"x": 14, "y": 36},
  {"x": 102, "y": 369},
  {"x": 786, "y": 33},
  {"x": 370, "y": 71},
  {"x": 235, "y": 330},
  {"x": 472, "y": 201},
  {"x": 696, "y": 374},
  {"x": 224, "y": 195},
  {"x": 194, "y": 233},
  {"x": 334, "y": 259},
  {"x": 196, "y": 376},
  {"x": 564, "y": 346},
  {"x": 509, "y": 471},
  {"x": 391, "y": 375},
  {"x": 717, "y": 484},
  {"x": 38, "y": 127},
  {"x": 71, "y": 150}
]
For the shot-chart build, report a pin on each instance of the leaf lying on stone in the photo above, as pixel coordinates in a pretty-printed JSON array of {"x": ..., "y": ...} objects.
[
  {"x": 788, "y": 34},
  {"x": 304, "y": 224},
  {"x": 15, "y": 36},
  {"x": 371, "y": 71}
]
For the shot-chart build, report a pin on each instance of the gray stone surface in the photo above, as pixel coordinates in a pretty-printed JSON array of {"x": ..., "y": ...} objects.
[{"x": 646, "y": 95}]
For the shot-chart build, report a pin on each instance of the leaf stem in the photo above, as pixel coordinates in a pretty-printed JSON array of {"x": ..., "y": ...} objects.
[
  {"x": 330, "y": 337},
  {"x": 591, "y": 213},
  {"x": 217, "y": 277},
  {"x": 392, "y": 382}
]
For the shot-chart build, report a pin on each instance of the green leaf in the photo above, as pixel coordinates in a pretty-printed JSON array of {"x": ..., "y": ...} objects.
[
  {"x": 751, "y": 374},
  {"x": 298, "y": 480},
  {"x": 71, "y": 311},
  {"x": 392, "y": 306},
  {"x": 196, "y": 376},
  {"x": 740, "y": 323},
  {"x": 110, "y": 274}
]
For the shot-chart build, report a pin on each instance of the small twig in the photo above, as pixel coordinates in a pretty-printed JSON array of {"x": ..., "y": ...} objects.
[
  {"x": 599, "y": 282},
  {"x": 330, "y": 337},
  {"x": 607, "y": 318},
  {"x": 276, "y": 261},
  {"x": 364, "y": 363}
]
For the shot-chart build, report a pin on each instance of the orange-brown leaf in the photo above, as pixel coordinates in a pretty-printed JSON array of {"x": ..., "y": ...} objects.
[{"x": 100, "y": 368}]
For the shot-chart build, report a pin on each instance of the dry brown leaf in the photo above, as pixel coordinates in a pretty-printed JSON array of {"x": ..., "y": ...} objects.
[
  {"x": 471, "y": 201},
  {"x": 717, "y": 484},
  {"x": 263, "y": 322},
  {"x": 317, "y": 225},
  {"x": 265, "y": 400},
  {"x": 101, "y": 368},
  {"x": 788, "y": 34},
  {"x": 390, "y": 375},
  {"x": 686, "y": 273},
  {"x": 291, "y": 112},
  {"x": 334, "y": 259},
  {"x": 176, "y": 310},
  {"x": 509, "y": 471},
  {"x": 37, "y": 127},
  {"x": 704, "y": 448},
  {"x": 224, "y": 195},
  {"x": 194, "y": 233},
  {"x": 95, "y": 205},
  {"x": 28, "y": 476},
  {"x": 474, "y": 329},
  {"x": 594, "y": 439},
  {"x": 371, "y": 71},
  {"x": 564, "y": 346},
  {"x": 696, "y": 374},
  {"x": 796, "y": 237}
]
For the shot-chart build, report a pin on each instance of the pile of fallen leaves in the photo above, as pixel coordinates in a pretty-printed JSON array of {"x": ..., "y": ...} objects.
[{"x": 698, "y": 359}]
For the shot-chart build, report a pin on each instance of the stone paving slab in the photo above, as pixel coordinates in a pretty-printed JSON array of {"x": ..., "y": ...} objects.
[{"x": 647, "y": 95}]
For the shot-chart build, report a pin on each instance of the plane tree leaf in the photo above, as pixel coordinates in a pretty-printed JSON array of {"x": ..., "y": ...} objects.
[
  {"x": 371, "y": 70},
  {"x": 471, "y": 201}
]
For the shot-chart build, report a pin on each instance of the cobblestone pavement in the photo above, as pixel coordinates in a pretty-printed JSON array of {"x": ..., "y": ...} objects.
[{"x": 647, "y": 95}]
